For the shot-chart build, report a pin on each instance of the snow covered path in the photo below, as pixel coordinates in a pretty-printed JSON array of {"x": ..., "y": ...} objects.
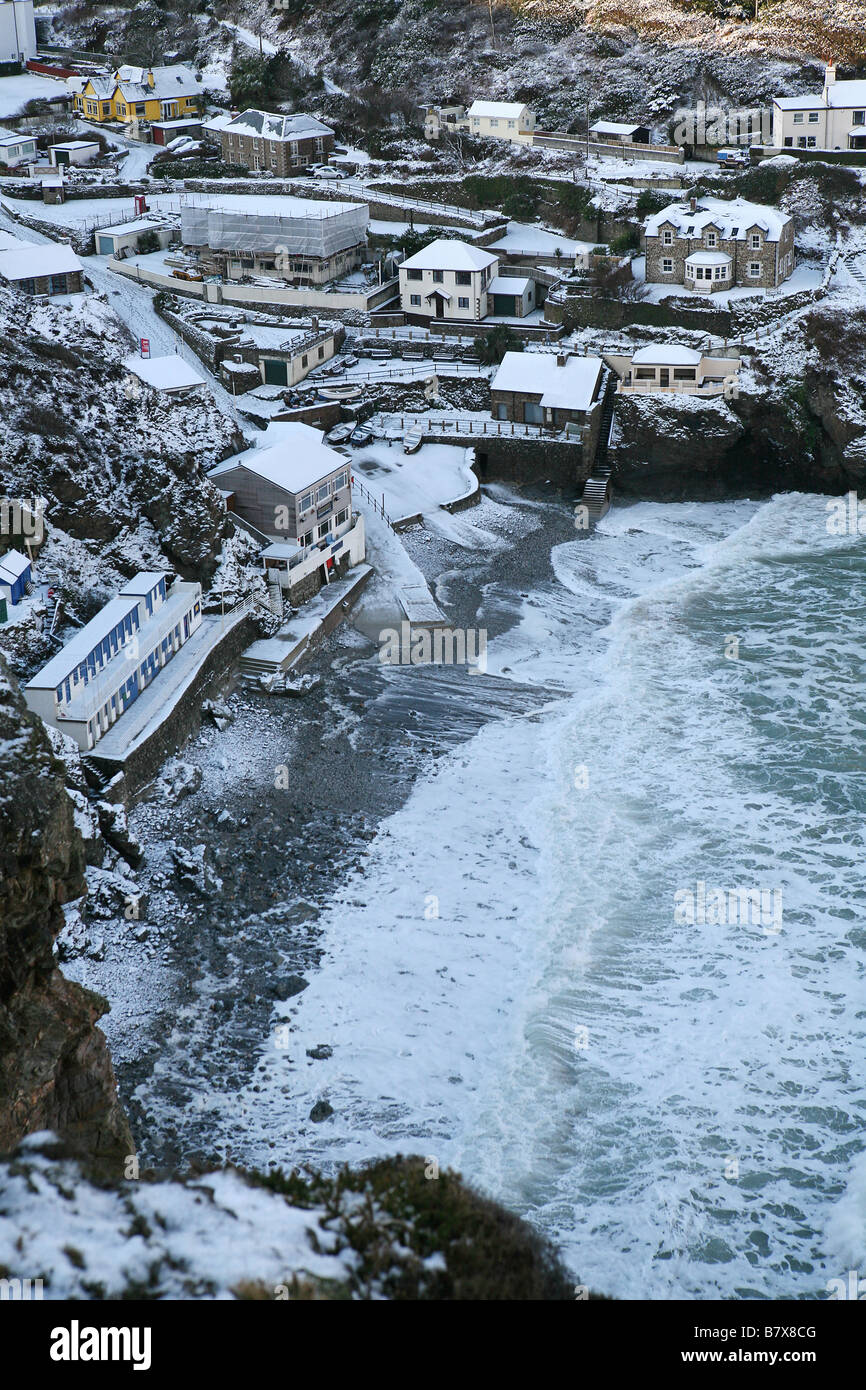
[{"x": 137, "y": 161}]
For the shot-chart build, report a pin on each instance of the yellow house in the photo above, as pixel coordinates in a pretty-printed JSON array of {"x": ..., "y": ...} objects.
[{"x": 139, "y": 94}]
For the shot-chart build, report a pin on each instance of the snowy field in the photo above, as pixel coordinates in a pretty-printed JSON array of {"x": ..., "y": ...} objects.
[{"x": 16, "y": 91}]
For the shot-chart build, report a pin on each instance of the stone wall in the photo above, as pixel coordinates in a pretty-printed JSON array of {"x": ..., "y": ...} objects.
[
  {"x": 592, "y": 311},
  {"x": 526, "y": 462}
]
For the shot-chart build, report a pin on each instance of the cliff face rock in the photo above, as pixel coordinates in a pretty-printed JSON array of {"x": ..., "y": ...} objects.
[
  {"x": 55, "y": 1070},
  {"x": 673, "y": 448}
]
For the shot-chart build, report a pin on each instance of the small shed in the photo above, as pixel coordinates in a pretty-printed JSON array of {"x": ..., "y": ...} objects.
[
  {"x": 165, "y": 131},
  {"x": 171, "y": 373},
  {"x": 73, "y": 152},
  {"x": 17, "y": 149},
  {"x": 126, "y": 236},
  {"x": 15, "y": 576},
  {"x": 49, "y": 268},
  {"x": 620, "y": 132}
]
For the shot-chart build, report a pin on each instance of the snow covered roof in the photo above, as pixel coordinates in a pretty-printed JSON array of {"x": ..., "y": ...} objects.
[
  {"x": 507, "y": 110},
  {"x": 49, "y": 258},
  {"x": 612, "y": 128},
  {"x": 508, "y": 284},
  {"x": 804, "y": 103},
  {"x": 665, "y": 355},
  {"x": 443, "y": 254},
  {"x": 12, "y": 565},
  {"x": 15, "y": 139},
  {"x": 143, "y": 583},
  {"x": 76, "y": 145},
  {"x": 733, "y": 219},
  {"x": 138, "y": 224},
  {"x": 169, "y": 373},
  {"x": 295, "y": 464},
  {"x": 173, "y": 81},
  {"x": 570, "y": 387},
  {"x": 846, "y": 94},
  {"x": 708, "y": 258},
  {"x": 275, "y": 127},
  {"x": 79, "y": 647},
  {"x": 281, "y": 550}
]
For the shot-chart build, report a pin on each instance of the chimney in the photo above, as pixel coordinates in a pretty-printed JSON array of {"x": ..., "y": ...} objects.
[
  {"x": 693, "y": 204},
  {"x": 829, "y": 74},
  {"x": 314, "y": 323},
  {"x": 561, "y": 359}
]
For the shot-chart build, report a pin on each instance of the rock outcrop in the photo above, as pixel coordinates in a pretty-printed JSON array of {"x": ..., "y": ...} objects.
[{"x": 55, "y": 1069}]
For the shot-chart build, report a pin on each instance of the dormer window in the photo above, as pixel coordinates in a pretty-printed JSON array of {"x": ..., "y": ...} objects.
[
  {"x": 712, "y": 239},
  {"x": 755, "y": 241},
  {"x": 667, "y": 237}
]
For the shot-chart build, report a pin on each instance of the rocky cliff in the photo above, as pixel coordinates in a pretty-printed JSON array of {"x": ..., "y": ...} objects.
[{"x": 55, "y": 1071}]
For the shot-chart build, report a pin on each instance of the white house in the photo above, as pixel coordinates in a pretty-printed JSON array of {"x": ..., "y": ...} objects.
[
  {"x": 501, "y": 120},
  {"x": 104, "y": 668},
  {"x": 17, "y": 31},
  {"x": 448, "y": 280},
  {"x": 834, "y": 119},
  {"x": 17, "y": 149},
  {"x": 672, "y": 367}
]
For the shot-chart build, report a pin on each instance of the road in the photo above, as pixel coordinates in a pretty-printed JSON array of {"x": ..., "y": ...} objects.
[
  {"x": 133, "y": 304},
  {"x": 137, "y": 161}
]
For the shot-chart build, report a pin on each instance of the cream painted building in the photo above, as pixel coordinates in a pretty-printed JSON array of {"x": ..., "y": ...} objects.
[
  {"x": 673, "y": 367},
  {"x": 448, "y": 280},
  {"x": 834, "y": 119},
  {"x": 487, "y": 120}
]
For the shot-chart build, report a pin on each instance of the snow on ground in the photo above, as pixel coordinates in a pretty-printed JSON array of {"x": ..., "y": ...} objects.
[
  {"x": 413, "y": 483},
  {"x": 84, "y": 212},
  {"x": 524, "y": 237},
  {"x": 16, "y": 91},
  {"x": 196, "y": 1240}
]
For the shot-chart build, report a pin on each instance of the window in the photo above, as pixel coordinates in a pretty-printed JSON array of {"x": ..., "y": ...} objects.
[
  {"x": 712, "y": 239},
  {"x": 438, "y": 277},
  {"x": 494, "y": 120},
  {"x": 340, "y": 517},
  {"x": 414, "y": 299},
  {"x": 323, "y": 493},
  {"x": 321, "y": 353},
  {"x": 667, "y": 237},
  {"x": 789, "y": 139},
  {"x": 667, "y": 266},
  {"x": 304, "y": 360},
  {"x": 801, "y": 142},
  {"x": 755, "y": 241},
  {"x": 323, "y": 530},
  {"x": 463, "y": 277},
  {"x": 306, "y": 501},
  {"x": 340, "y": 481},
  {"x": 814, "y": 117},
  {"x": 511, "y": 125},
  {"x": 721, "y": 272},
  {"x": 858, "y": 118},
  {"x": 754, "y": 269},
  {"x": 463, "y": 301},
  {"x": 798, "y": 118},
  {"x": 413, "y": 275},
  {"x": 811, "y": 142}
]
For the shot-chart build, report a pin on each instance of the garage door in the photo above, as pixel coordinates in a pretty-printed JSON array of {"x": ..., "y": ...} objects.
[
  {"x": 533, "y": 414},
  {"x": 276, "y": 373},
  {"x": 106, "y": 246}
]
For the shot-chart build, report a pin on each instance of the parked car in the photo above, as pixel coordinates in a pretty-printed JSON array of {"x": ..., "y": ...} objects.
[
  {"x": 733, "y": 159},
  {"x": 412, "y": 441}
]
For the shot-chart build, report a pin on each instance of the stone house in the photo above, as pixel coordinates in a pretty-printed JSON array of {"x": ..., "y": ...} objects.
[
  {"x": 554, "y": 390},
  {"x": 282, "y": 144},
  {"x": 712, "y": 244}
]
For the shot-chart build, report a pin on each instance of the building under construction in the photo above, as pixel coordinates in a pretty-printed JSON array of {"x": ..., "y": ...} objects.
[{"x": 295, "y": 240}]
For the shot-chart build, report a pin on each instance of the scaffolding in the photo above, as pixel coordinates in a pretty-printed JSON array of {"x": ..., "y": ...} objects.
[{"x": 296, "y": 227}]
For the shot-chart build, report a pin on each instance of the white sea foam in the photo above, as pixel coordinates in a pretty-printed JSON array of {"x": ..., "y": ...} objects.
[{"x": 507, "y": 989}]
